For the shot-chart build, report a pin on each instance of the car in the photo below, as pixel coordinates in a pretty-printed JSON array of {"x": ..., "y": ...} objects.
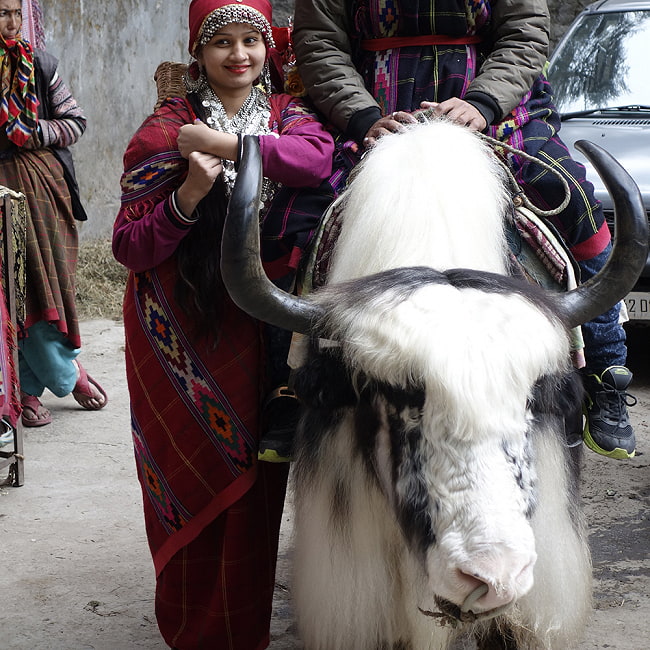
[{"x": 600, "y": 76}]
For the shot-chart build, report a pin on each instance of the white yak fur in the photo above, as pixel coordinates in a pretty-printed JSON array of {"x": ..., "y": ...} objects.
[
  {"x": 357, "y": 585},
  {"x": 413, "y": 195}
]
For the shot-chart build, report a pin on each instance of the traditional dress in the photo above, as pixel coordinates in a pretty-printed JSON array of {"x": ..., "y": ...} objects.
[{"x": 212, "y": 512}]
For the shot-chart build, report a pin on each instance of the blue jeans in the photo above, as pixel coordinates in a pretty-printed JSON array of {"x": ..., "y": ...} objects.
[
  {"x": 604, "y": 336},
  {"x": 45, "y": 361}
]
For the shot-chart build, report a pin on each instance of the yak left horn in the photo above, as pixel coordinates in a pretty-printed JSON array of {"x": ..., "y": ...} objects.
[{"x": 241, "y": 266}]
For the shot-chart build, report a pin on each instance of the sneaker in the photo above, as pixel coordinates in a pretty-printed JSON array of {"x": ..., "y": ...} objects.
[
  {"x": 607, "y": 424},
  {"x": 280, "y": 417}
]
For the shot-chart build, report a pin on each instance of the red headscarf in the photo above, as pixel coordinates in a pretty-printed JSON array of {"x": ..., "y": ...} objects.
[{"x": 201, "y": 9}]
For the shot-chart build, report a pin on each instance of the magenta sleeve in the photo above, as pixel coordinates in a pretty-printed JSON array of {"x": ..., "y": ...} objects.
[
  {"x": 146, "y": 242},
  {"x": 300, "y": 157}
]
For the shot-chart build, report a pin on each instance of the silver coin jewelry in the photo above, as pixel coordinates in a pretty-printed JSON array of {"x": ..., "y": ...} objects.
[{"x": 251, "y": 119}]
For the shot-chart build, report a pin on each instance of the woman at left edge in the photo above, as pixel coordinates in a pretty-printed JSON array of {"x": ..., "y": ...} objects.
[{"x": 39, "y": 120}]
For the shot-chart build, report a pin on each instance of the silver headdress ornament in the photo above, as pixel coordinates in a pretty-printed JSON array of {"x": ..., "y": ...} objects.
[{"x": 234, "y": 13}]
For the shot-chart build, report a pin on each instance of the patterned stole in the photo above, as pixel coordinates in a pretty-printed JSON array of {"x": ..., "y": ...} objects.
[{"x": 18, "y": 101}]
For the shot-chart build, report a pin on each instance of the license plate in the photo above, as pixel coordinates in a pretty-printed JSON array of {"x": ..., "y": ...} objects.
[{"x": 638, "y": 305}]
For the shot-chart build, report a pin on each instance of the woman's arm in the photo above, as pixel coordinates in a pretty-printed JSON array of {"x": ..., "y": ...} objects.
[
  {"x": 67, "y": 122},
  {"x": 160, "y": 190},
  {"x": 323, "y": 52},
  {"x": 301, "y": 156},
  {"x": 143, "y": 243}
]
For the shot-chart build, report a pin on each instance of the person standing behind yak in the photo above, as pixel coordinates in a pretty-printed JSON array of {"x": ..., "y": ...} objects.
[
  {"x": 195, "y": 362},
  {"x": 367, "y": 64},
  {"x": 39, "y": 120}
]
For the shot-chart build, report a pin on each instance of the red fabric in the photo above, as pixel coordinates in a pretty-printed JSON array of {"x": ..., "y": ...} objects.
[
  {"x": 217, "y": 591},
  {"x": 593, "y": 246},
  {"x": 212, "y": 514},
  {"x": 381, "y": 44},
  {"x": 10, "y": 407},
  {"x": 201, "y": 9}
]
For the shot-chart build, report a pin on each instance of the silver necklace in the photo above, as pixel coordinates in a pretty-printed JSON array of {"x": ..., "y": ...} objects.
[{"x": 251, "y": 119}]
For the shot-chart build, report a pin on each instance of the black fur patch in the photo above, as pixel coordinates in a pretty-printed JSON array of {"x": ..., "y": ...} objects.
[{"x": 413, "y": 501}]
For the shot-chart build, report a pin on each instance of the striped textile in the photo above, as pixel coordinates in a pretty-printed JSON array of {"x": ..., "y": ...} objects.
[
  {"x": 52, "y": 239},
  {"x": 18, "y": 101},
  {"x": 401, "y": 78},
  {"x": 32, "y": 28},
  {"x": 66, "y": 122}
]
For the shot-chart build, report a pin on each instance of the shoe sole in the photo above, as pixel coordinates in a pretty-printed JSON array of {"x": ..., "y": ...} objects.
[
  {"x": 616, "y": 454},
  {"x": 272, "y": 456}
]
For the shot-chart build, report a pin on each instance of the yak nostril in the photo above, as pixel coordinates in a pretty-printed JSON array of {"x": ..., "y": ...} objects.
[
  {"x": 481, "y": 594},
  {"x": 469, "y": 581}
]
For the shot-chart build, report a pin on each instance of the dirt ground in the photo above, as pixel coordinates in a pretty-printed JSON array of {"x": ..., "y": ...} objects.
[{"x": 75, "y": 571}]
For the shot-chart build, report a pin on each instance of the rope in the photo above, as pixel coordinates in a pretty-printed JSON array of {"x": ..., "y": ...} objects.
[{"x": 427, "y": 115}]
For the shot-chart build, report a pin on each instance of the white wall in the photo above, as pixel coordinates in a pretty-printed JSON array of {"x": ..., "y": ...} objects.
[{"x": 108, "y": 52}]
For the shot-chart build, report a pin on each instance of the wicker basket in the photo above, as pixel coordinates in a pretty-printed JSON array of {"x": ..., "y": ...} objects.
[{"x": 169, "y": 81}]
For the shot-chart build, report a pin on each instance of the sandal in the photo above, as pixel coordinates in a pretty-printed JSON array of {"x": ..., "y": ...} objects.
[
  {"x": 33, "y": 404},
  {"x": 84, "y": 393}
]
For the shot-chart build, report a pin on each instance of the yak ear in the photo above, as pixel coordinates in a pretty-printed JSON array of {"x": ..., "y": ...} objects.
[
  {"x": 624, "y": 266},
  {"x": 241, "y": 265}
]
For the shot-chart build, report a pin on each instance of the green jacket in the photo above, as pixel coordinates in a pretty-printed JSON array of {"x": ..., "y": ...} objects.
[{"x": 517, "y": 37}]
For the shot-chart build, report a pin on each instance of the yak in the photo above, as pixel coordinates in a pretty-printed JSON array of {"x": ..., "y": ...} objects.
[{"x": 436, "y": 497}]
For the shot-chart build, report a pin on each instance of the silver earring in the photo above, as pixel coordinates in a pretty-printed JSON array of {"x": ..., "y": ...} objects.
[{"x": 193, "y": 82}]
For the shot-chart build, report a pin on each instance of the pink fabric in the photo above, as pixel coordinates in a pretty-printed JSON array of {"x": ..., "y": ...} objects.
[{"x": 32, "y": 29}]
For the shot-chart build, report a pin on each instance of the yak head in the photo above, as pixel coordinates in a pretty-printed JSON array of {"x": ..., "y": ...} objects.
[{"x": 442, "y": 412}]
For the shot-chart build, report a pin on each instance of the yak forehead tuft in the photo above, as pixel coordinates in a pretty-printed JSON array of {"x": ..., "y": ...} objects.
[
  {"x": 477, "y": 354},
  {"x": 441, "y": 210}
]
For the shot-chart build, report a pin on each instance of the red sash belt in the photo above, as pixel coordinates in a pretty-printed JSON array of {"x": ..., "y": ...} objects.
[{"x": 380, "y": 44}]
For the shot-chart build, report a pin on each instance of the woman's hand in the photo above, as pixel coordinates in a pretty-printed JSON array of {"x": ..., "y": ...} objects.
[
  {"x": 204, "y": 168},
  {"x": 200, "y": 137},
  {"x": 195, "y": 137},
  {"x": 393, "y": 123},
  {"x": 459, "y": 111}
]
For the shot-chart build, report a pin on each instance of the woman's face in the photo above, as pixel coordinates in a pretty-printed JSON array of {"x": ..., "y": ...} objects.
[
  {"x": 233, "y": 58},
  {"x": 11, "y": 18}
]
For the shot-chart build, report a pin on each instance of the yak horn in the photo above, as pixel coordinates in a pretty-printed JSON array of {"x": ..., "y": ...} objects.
[
  {"x": 241, "y": 266},
  {"x": 627, "y": 260}
]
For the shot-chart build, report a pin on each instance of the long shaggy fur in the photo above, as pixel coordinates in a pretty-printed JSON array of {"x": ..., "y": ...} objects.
[
  {"x": 441, "y": 378},
  {"x": 413, "y": 195}
]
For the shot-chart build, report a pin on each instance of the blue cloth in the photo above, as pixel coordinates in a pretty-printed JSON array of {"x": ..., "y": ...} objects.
[
  {"x": 604, "y": 336},
  {"x": 45, "y": 360}
]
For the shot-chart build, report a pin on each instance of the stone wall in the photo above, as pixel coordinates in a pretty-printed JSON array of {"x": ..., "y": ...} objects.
[{"x": 108, "y": 54}]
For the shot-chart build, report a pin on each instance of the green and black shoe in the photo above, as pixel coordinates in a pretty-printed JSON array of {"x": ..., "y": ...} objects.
[{"x": 607, "y": 424}]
